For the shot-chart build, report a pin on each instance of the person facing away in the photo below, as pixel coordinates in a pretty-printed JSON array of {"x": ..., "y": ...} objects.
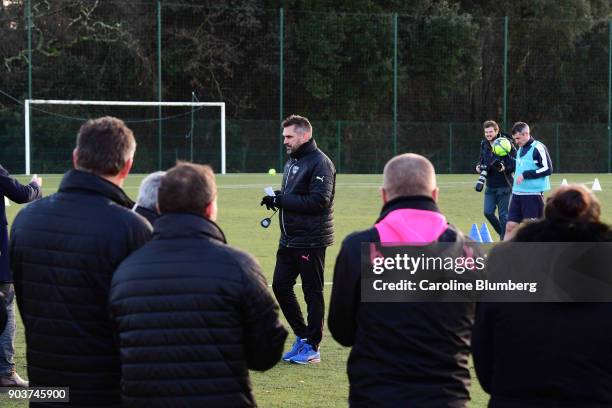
[
  {"x": 64, "y": 250},
  {"x": 192, "y": 313},
  {"x": 531, "y": 179},
  {"x": 307, "y": 229},
  {"x": 146, "y": 203},
  {"x": 403, "y": 354},
  {"x": 19, "y": 193},
  {"x": 543, "y": 355},
  {"x": 499, "y": 178}
]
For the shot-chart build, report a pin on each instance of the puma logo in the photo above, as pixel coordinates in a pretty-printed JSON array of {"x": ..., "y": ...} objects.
[
  {"x": 319, "y": 178},
  {"x": 306, "y": 257}
]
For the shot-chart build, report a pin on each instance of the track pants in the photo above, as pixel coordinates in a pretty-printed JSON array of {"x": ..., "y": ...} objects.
[{"x": 308, "y": 263}]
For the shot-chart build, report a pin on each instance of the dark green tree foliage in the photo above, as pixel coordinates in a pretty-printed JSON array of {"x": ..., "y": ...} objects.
[
  {"x": 227, "y": 53},
  {"x": 339, "y": 65},
  {"x": 93, "y": 50},
  {"x": 338, "y": 55},
  {"x": 439, "y": 62},
  {"x": 338, "y": 61}
]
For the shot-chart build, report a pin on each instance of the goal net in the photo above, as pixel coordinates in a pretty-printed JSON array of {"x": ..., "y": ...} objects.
[{"x": 165, "y": 132}]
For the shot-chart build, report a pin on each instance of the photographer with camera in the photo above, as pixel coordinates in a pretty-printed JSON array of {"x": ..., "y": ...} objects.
[{"x": 496, "y": 171}]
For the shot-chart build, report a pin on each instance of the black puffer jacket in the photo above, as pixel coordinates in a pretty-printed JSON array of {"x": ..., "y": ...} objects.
[
  {"x": 545, "y": 355},
  {"x": 307, "y": 201},
  {"x": 193, "y": 315},
  {"x": 64, "y": 251},
  {"x": 19, "y": 193},
  {"x": 403, "y": 354},
  {"x": 149, "y": 214}
]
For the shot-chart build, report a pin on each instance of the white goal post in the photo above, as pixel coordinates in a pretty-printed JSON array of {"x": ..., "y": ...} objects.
[{"x": 29, "y": 102}]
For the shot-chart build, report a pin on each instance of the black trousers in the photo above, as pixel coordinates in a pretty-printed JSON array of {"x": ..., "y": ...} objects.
[{"x": 308, "y": 263}]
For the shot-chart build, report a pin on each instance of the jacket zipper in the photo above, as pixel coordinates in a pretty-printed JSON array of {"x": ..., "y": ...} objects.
[{"x": 284, "y": 187}]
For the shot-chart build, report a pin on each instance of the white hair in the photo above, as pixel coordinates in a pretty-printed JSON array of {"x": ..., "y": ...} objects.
[{"x": 147, "y": 193}]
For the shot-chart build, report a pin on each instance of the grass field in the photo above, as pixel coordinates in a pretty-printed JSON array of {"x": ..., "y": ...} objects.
[{"x": 357, "y": 204}]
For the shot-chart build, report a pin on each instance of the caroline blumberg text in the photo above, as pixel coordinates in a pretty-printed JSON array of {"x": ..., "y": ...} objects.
[
  {"x": 453, "y": 285},
  {"x": 412, "y": 264}
]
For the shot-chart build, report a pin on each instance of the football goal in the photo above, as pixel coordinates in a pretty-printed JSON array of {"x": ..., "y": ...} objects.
[{"x": 165, "y": 131}]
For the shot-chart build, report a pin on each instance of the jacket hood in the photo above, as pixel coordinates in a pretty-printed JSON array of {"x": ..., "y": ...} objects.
[
  {"x": 78, "y": 180},
  {"x": 414, "y": 219},
  {"x": 183, "y": 225}
]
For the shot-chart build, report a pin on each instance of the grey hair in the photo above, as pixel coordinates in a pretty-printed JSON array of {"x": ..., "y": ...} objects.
[
  {"x": 409, "y": 174},
  {"x": 147, "y": 193},
  {"x": 519, "y": 127}
]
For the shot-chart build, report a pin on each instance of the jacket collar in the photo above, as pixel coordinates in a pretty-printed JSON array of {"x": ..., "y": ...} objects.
[
  {"x": 414, "y": 202},
  {"x": 526, "y": 146},
  {"x": 303, "y": 150},
  {"x": 78, "y": 180},
  {"x": 146, "y": 212},
  {"x": 184, "y": 225}
]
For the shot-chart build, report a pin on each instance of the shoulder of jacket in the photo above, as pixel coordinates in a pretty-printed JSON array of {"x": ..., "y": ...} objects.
[
  {"x": 451, "y": 234},
  {"x": 41, "y": 203},
  {"x": 126, "y": 214},
  {"x": 241, "y": 259},
  {"x": 247, "y": 266},
  {"x": 359, "y": 237},
  {"x": 138, "y": 221},
  {"x": 321, "y": 159}
]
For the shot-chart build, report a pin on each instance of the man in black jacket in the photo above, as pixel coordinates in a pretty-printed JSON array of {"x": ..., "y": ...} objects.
[
  {"x": 64, "y": 250},
  {"x": 403, "y": 354},
  {"x": 499, "y": 170},
  {"x": 19, "y": 193},
  {"x": 307, "y": 229},
  {"x": 193, "y": 314}
]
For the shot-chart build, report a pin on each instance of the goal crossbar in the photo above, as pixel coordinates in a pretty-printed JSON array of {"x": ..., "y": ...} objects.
[{"x": 29, "y": 102}]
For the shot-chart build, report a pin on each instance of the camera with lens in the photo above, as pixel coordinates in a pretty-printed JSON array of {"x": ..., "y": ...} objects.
[{"x": 482, "y": 179}]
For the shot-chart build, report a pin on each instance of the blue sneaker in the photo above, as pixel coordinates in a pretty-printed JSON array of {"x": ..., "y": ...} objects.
[
  {"x": 307, "y": 355},
  {"x": 295, "y": 349}
]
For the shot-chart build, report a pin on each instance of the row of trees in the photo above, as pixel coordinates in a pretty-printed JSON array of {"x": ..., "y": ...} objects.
[{"x": 338, "y": 56}]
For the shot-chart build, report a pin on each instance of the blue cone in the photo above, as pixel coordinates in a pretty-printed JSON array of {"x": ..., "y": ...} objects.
[
  {"x": 485, "y": 234},
  {"x": 475, "y": 234}
]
